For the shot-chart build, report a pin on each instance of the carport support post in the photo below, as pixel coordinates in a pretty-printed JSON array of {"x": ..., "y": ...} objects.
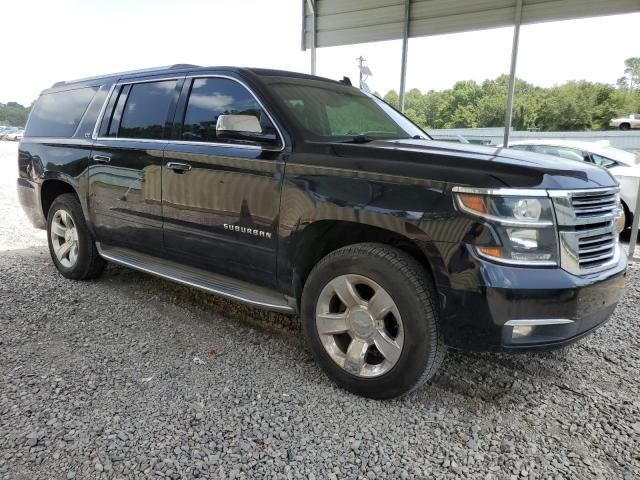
[
  {"x": 634, "y": 227},
  {"x": 312, "y": 7},
  {"x": 405, "y": 47},
  {"x": 512, "y": 73}
]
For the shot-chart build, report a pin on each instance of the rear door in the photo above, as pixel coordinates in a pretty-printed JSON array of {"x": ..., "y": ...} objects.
[
  {"x": 125, "y": 167},
  {"x": 221, "y": 197}
]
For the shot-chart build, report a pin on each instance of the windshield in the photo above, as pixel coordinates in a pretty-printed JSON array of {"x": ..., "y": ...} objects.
[{"x": 337, "y": 112}]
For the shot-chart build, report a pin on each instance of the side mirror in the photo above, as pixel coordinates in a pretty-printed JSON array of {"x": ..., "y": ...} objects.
[{"x": 243, "y": 127}]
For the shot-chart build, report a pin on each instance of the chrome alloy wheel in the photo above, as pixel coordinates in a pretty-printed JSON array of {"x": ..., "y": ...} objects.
[
  {"x": 64, "y": 238},
  {"x": 359, "y": 325}
]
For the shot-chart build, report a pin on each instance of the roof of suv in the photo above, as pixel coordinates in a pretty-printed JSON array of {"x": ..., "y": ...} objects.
[{"x": 185, "y": 67}]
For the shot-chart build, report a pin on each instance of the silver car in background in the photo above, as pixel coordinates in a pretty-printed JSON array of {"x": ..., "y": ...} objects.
[
  {"x": 623, "y": 165},
  {"x": 6, "y": 131},
  {"x": 15, "y": 136}
]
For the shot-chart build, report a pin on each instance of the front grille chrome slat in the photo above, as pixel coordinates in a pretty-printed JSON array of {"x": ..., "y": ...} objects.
[
  {"x": 587, "y": 251},
  {"x": 588, "y": 240},
  {"x": 593, "y": 205},
  {"x": 592, "y": 257},
  {"x": 601, "y": 238},
  {"x": 599, "y": 203},
  {"x": 592, "y": 212}
]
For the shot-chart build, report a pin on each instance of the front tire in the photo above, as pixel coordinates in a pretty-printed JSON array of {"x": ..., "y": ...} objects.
[
  {"x": 71, "y": 245},
  {"x": 370, "y": 317},
  {"x": 625, "y": 126}
]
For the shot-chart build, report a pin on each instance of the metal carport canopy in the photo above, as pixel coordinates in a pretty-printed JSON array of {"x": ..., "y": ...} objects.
[
  {"x": 345, "y": 22},
  {"x": 328, "y": 23}
]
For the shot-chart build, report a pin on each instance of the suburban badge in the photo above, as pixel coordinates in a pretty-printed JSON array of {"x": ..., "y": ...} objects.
[{"x": 247, "y": 230}]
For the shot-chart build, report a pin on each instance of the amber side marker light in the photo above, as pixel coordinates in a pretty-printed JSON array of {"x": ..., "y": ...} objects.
[
  {"x": 473, "y": 202},
  {"x": 620, "y": 223},
  {"x": 491, "y": 251}
]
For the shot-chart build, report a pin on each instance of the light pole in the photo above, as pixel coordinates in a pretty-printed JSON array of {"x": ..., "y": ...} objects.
[{"x": 365, "y": 72}]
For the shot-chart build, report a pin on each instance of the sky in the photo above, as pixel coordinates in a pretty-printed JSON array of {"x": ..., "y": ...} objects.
[{"x": 67, "y": 39}]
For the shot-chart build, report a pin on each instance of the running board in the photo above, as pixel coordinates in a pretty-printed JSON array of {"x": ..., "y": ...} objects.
[{"x": 231, "y": 288}]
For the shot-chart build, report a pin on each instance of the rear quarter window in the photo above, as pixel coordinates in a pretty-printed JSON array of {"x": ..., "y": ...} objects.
[{"x": 58, "y": 114}]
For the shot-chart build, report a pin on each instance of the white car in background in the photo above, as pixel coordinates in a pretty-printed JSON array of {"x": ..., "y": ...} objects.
[
  {"x": 623, "y": 165},
  {"x": 626, "y": 123},
  {"x": 15, "y": 136}
]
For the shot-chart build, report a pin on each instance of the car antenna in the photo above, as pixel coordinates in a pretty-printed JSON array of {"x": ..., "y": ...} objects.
[{"x": 346, "y": 80}]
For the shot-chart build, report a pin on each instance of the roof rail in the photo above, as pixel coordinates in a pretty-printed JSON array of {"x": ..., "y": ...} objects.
[
  {"x": 183, "y": 65},
  {"x": 176, "y": 66}
]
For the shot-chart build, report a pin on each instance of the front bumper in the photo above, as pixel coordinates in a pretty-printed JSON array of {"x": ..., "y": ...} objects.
[{"x": 479, "y": 313}]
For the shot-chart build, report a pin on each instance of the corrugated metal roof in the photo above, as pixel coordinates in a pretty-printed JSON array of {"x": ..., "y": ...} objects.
[{"x": 340, "y": 22}]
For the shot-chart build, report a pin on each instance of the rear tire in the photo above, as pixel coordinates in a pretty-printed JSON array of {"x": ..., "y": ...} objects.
[
  {"x": 381, "y": 300},
  {"x": 625, "y": 126},
  {"x": 71, "y": 245}
]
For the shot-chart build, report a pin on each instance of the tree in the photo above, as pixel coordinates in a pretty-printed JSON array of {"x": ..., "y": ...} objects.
[
  {"x": 576, "y": 105},
  {"x": 13, "y": 114},
  {"x": 632, "y": 72},
  {"x": 623, "y": 82},
  {"x": 392, "y": 98}
]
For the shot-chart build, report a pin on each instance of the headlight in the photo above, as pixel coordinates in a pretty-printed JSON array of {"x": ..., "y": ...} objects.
[{"x": 524, "y": 225}]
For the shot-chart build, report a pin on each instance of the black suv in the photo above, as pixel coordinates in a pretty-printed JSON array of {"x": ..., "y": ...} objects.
[{"x": 303, "y": 195}]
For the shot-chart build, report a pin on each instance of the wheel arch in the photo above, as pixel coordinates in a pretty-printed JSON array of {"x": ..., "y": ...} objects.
[
  {"x": 51, "y": 189},
  {"x": 55, "y": 184},
  {"x": 627, "y": 213},
  {"x": 322, "y": 237}
]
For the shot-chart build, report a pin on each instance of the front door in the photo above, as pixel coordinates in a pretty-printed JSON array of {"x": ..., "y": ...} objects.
[
  {"x": 126, "y": 164},
  {"x": 221, "y": 197}
]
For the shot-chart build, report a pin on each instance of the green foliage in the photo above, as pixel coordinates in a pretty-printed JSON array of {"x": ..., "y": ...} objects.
[
  {"x": 13, "y": 114},
  {"x": 632, "y": 72},
  {"x": 392, "y": 98},
  {"x": 575, "y": 105}
]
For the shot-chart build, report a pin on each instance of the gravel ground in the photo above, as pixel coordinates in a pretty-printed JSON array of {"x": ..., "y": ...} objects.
[{"x": 130, "y": 376}]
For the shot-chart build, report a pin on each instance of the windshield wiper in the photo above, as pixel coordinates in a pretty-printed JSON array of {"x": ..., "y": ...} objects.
[{"x": 359, "y": 139}]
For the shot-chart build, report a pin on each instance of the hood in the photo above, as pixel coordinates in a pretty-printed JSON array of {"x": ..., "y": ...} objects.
[{"x": 473, "y": 165}]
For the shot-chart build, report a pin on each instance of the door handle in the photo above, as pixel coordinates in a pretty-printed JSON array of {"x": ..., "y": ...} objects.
[
  {"x": 101, "y": 158},
  {"x": 179, "y": 167}
]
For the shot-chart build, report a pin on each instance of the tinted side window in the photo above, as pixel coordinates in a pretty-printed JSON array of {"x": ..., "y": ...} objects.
[
  {"x": 146, "y": 109},
  {"x": 58, "y": 114},
  {"x": 211, "y": 97}
]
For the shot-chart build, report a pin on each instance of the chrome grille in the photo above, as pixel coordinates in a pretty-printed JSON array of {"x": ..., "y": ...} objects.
[
  {"x": 586, "y": 223},
  {"x": 596, "y": 250},
  {"x": 594, "y": 205}
]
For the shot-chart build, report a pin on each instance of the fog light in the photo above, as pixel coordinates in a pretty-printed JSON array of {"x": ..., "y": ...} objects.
[{"x": 520, "y": 331}]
